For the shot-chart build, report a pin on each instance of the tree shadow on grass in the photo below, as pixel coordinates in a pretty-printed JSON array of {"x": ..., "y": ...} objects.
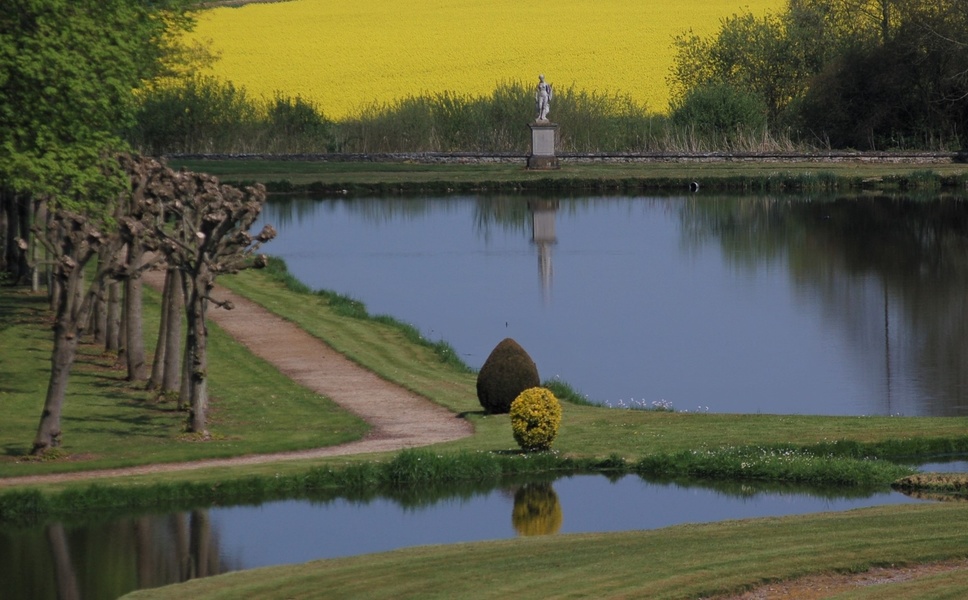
[
  {"x": 17, "y": 451},
  {"x": 467, "y": 413},
  {"x": 132, "y": 418}
]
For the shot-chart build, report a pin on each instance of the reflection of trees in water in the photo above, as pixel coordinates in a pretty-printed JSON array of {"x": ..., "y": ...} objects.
[
  {"x": 503, "y": 212},
  {"x": 108, "y": 560},
  {"x": 536, "y": 510},
  {"x": 750, "y": 490},
  {"x": 888, "y": 273},
  {"x": 283, "y": 211}
]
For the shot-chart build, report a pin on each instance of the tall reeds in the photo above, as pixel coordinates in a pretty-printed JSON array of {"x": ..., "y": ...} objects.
[{"x": 202, "y": 115}]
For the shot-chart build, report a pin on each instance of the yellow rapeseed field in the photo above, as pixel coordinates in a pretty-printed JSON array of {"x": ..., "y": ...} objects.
[{"x": 345, "y": 54}]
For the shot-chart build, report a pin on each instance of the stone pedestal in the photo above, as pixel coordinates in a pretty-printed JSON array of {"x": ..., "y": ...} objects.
[{"x": 544, "y": 134}]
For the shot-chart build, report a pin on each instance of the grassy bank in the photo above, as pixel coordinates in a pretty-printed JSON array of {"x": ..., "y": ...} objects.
[
  {"x": 688, "y": 561},
  {"x": 109, "y": 422},
  {"x": 587, "y": 430},
  {"x": 322, "y": 177}
]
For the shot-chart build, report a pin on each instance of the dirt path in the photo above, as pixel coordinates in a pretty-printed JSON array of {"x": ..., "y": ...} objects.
[{"x": 413, "y": 421}]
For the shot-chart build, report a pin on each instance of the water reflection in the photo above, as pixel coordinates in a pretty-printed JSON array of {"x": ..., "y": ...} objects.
[
  {"x": 106, "y": 557},
  {"x": 544, "y": 237},
  {"x": 739, "y": 304},
  {"x": 536, "y": 510}
]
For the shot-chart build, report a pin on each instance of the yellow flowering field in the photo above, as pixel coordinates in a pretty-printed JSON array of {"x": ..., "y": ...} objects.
[{"x": 345, "y": 54}]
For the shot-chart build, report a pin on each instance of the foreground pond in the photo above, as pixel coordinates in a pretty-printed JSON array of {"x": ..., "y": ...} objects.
[
  {"x": 726, "y": 304},
  {"x": 110, "y": 557}
]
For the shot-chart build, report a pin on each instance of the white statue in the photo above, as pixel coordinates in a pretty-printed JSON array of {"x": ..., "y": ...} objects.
[{"x": 542, "y": 99}]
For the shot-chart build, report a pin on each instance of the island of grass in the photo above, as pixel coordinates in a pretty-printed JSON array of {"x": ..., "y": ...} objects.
[{"x": 114, "y": 424}]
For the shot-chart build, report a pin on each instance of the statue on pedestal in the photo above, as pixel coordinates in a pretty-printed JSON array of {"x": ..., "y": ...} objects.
[{"x": 542, "y": 99}]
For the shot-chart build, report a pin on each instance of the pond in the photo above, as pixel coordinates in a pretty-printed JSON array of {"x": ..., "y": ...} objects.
[
  {"x": 105, "y": 557},
  {"x": 753, "y": 304}
]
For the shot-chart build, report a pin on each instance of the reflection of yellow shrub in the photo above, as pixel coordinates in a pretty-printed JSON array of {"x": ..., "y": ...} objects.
[
  {"x": 535, "y": 417},
  {"x": 343, "y": 54},
  {"x": 536, "y": 510}
]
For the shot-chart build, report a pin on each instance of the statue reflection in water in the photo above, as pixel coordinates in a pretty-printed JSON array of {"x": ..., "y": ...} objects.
[{"x": 544, "y": 236}]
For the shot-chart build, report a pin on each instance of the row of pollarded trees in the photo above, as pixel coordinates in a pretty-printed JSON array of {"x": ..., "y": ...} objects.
[
  {"x": 187, "y": 223},
  {"x": 70, "y": 71}
]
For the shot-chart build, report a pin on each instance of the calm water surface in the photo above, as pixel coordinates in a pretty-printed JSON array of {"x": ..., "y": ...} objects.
[
  {"x": 106, "y": 558},
  {"x": 726, "y": 304}
]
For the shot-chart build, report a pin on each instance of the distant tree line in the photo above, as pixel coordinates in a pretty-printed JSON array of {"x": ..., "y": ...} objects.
[{"x": 865, "y": 74}]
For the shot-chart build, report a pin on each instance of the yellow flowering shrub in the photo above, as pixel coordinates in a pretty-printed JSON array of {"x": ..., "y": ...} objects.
[
  {"x": 535, "y": 417},
  {"x": 345, "y": 55}
]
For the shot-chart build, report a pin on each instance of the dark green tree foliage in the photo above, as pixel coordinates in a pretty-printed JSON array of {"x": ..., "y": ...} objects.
[
  {"x": 720, "y": 108},
  {"x": 294, "y": 117},
  {"x": 507, "y": 372},
  {"x": 908, "y": 89},
  {"x": 199, "y": 114},
  {"x": 869, "y": 74},
  {"x": 67, "y": 71},
  {"x": 748, "y": 53}
]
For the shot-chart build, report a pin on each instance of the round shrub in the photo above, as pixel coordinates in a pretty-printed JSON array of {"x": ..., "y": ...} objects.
[
  {"x": 536, "y": 510},
  {"x": 535, "y": 416},
  {"x": 507, "y": 372}
]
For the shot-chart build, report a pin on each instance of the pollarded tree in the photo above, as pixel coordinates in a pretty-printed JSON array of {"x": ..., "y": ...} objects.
[
  {"x": 204, "y": 233},
  {"x": 74, "y": 240}
]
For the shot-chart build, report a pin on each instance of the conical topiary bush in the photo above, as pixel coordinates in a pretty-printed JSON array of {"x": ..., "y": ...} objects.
[{"x": 507, "y": 372}]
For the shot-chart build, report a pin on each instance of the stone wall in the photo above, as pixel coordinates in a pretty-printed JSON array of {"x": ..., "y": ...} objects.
[{"x": 707, "y": 157}]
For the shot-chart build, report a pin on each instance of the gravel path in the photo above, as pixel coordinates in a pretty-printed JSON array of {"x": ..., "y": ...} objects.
[{"x": 412, "y": 421}]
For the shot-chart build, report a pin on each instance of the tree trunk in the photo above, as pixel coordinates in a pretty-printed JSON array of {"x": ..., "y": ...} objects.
[
  {"x": 62, "y": 357},
  {"x": 122, "y": 326},
  {"x": 23, "y": 214},
  {"x": 196, "y": 339},
  {"x": 134, "y": 335},
  {"x": 161, "y": 346},
  {"x": 69, "y": 315},
  {"x": 99, "y": 319},
  {"x": 188, "y": 357},
  {"x": 112, "y": 317},
  {"x": 16, "y": 216},
  {"x": 8, "y": 204},
  {"x": 5, "y": 237},
  {"x": 39, "y": 216},
  {"x": 175, "y": 298}
]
